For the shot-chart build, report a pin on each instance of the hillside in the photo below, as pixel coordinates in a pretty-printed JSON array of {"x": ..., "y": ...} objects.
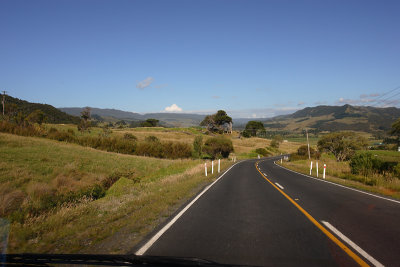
[
  {"x": 53, "y": 114},
  {"x": 167, "y": 119},
  {"x": 336, "y": 118}
]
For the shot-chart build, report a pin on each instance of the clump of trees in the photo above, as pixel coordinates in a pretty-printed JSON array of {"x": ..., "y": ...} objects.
[
  {"x": 342, "y": 144},
  {"x": 254, "y": 128},
  {"x": 214, "y": 147},
  {"x": 218, "y": 122},
  {"x": 218, "y": 147},
  {"x": 149, "y": 123}
]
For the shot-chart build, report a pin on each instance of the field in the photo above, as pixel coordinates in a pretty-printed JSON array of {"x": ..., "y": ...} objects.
[
  {"x": 339, "y": 172},
  {"x": 244, "y": 147},
  {"x": 147, "y": 191}
]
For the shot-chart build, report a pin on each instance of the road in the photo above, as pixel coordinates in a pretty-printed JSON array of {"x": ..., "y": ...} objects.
[{"x": 246, "y": 218}]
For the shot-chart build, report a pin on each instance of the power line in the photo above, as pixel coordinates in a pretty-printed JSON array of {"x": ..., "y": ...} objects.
[
  {"x": 383, "y": 101},
  {"x": 385, "y": 94}
]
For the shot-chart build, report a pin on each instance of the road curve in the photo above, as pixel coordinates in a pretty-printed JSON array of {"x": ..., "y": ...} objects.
[{"x": 244, "y": 219}]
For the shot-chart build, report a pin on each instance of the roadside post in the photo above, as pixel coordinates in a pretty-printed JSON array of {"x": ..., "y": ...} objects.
[
  {"x": 219, "y": 165},
  {"x": 212, "y": 167},
  {"x": 310, "y": 167},
  {"x": 317, "y": 168},
  {"x": 323, "y": 176},
  {"x": 205, "y": 168}
]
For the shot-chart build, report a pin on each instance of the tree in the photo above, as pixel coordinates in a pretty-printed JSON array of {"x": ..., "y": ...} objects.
[
  {"x": 276, "y": 140},
  {"x": 215, "y": 122},
  {"x": 218, "y": 147},
  {"x": 342, "y": 144},
  {"x": 396, "y": 130},
  {"x": 252, "y": 127},
  {"x": 85, "y": 120},
  {"x": 36, "y": 116}
]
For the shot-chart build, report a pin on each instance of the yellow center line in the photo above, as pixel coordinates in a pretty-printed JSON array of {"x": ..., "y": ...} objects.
[{"x": 354, "y": 256}]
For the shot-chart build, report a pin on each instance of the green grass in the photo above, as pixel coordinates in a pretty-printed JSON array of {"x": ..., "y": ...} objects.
[
  {"x": 148, "y": 191},
  {"x": 387, "y": 155}
]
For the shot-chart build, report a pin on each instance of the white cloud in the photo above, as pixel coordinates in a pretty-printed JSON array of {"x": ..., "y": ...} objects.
[
  {"x": 145, "y": 83},
  {"x": 300, "y": 103},
  {"x": 173, "y": 108}
]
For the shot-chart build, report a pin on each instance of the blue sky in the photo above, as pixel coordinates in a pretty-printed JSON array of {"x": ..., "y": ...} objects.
[{"x": 251, "y": 58}]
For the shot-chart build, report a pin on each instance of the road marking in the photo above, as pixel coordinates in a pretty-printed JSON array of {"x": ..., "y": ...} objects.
[
  {"x": 152, "y": 240},
  {"x": 281, "y": 187},
  {"x": 396, "y": 201},
  {"x": 264, "y": 174},
  {"x": 349, "y": 252},
  {"x": 352, "y": 244}
]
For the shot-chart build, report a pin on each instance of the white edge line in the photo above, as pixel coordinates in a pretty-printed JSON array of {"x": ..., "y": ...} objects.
[
  {"x": 152, "y": 240},
  {"x": 352, "y": 244},
  {"x": 396, "y": 201},
  {"x": 281, "y": 187}
]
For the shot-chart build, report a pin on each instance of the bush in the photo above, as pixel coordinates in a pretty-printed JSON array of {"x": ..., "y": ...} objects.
[
  {"x": 362, "y": 164},
  {"x": 176, "y": 150},
  {"x": 197, "y": 146},
  {"x": 129, "y": 136},
  {"x": 274, "y": 143},
  {"x": 246, "y": 134},
  {"x": 218, "y": 147},
  {"x": 262, "y": 151},
  {"x": 149, "y": 149},
  {"x": 366, "y": 164}
]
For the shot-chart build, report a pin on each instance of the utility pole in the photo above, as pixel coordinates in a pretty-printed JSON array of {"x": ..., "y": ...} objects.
[
  {"x": 308, "y": 145},
  {"x": 4, "y": 100}
]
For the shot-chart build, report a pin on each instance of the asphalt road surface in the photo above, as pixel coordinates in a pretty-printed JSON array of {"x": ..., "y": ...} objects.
[{"x": 264, "y": 215}]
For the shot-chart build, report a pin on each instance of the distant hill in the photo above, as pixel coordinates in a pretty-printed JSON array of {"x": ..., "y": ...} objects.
[
  {"x": 167, "y": 119},
  {"x": 53, "y": 114},
  {"x": 336, "y": 118}
]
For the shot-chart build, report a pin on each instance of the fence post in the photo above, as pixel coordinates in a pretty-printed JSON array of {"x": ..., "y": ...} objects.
[
  {"x": 205, "y": 168},
  {"x": 310, "y": 167},
  {"x": 317, "y": 168},
  {"x": 323, "y": 176},
  {"x": 219, "y": 165},
  {"x": 212, "y": 167}
]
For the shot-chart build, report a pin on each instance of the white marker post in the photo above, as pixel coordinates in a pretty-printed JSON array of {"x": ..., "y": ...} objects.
[
  {"x": 317, "y": 168},
  {"x": 323, "y": 176},
  {"x": 281, "y": 160},
  {"x": 258, "y": 156},
  {"x": 212, "y": 167},
  {"x": 205, "y": 168},
  {"x": 310, "y": 167},
  {"x": 219, "y": 165}
]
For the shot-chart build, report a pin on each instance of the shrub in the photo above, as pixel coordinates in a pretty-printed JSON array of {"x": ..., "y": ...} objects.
[
  {"x": 176, "y": 150},
  {"x": 152, "y": 138},
  {"x": 197, "y": 146},
  {"x": 362, "y": 163},
  {"x": 129, "y": 136},
  {"x": 274, "y": 143},
  {"x": 218, "y": 147},
  {"x": 262, "y": 151},
  {"x": 246, "y": 134},
  {"x": 149, "y": 149},
  {"x": 397, "y": 170}
]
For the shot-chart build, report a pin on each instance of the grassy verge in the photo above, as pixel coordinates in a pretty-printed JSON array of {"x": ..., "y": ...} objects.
[
  {"x": 146, "y": 192},
  {"x": 339, "y": 172}
]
